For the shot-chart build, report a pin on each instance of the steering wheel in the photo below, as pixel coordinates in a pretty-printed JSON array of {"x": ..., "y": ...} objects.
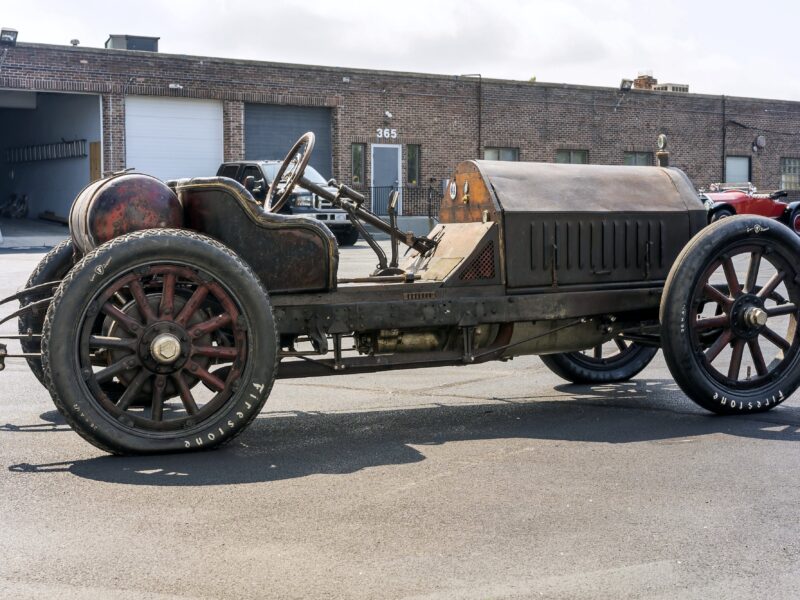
[{"x": 290, "y": 173}]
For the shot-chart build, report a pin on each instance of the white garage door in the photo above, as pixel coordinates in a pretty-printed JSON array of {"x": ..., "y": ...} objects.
[{"x": 173, "y": 137}]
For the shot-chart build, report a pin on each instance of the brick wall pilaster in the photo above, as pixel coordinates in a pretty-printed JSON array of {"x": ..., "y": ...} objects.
[{"x": 233, "y": 129}]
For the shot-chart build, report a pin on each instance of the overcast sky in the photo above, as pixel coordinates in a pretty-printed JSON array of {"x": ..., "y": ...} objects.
[{"x": 734, "y": 47}]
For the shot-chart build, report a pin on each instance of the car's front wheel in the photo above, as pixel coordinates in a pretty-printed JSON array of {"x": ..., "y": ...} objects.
[{"x": 615, "y": 361}]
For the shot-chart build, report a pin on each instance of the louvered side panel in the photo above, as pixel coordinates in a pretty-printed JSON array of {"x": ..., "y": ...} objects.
[{"x": 556, "y": 250}]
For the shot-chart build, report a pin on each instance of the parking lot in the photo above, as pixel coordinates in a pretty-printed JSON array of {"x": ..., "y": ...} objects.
[{"x": 493, "y": 481}]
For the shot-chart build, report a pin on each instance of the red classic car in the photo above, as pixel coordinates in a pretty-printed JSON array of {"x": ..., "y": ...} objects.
[{"x": 724, "y": 201}]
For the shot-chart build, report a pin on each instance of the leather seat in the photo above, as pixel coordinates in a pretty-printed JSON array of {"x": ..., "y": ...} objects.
[{"x": 289, "y": 253}]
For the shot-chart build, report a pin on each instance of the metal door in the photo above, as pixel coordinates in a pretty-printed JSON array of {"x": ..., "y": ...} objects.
[
  {"x": 270, "y": 130},
  {"x": 386, "y": 176}
]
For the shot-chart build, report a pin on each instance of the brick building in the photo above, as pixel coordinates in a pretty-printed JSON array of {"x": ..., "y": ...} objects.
[{"x": 69, "y": 113}]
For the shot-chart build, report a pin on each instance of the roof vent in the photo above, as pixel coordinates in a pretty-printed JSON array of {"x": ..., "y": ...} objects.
[{"x": 132, "y": 42}]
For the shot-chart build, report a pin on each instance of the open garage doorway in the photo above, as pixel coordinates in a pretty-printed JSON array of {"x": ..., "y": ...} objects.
[{"x": 49, "y": 148}]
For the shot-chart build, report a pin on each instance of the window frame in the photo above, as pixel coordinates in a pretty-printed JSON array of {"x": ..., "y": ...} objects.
[
  {"x": 749, "y": 168},
  {"x": 499, "y": 150},
  {"x": 636, "y": 154},
  {"x": 795, "y": 173},
  {"x": 362, "y": 163},
  {"x": 573, "y": 152},
  {"x": 418, "y": 151}
]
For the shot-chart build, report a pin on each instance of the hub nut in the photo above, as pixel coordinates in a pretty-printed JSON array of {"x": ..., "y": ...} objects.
[
  {"x": 755, "y": 316},
  {"x": 165, "y": 348}
]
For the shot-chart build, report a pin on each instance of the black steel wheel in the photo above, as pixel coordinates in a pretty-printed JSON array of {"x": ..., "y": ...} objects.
[
  {"x": 139, "y": 323},
  {"x": 614, "y": 361},
  {"x": 729, "y": 316},
  {"x": 53, "y": 267},
  {"x": 347, "y": 237},
  {"x": 794, "y": 221},
  {"x": 722, "y": 213}
]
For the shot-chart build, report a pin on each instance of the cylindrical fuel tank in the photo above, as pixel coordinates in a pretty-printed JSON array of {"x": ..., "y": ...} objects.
[{"x": 120, "y": 204}]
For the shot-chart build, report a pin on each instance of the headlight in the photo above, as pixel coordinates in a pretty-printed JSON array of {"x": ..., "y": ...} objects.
[
  {"x": 304, "y": 201},
  {"x": 709, "y": 204}
]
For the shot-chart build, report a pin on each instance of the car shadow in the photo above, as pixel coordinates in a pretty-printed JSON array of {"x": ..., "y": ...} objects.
[{"x": 290, "y": 445}]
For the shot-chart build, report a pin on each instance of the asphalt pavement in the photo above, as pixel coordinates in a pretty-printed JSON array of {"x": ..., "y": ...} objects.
[{"x": 489, "y": 481}]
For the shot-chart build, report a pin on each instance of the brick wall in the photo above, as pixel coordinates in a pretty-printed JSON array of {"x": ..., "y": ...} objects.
[{"x": 440, "y": 113}]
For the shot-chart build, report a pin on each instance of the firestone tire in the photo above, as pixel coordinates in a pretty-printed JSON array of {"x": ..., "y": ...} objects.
[
  {"x": 53, "y": 267},
  {"x": 687, "y": 288},
  {"x": 349, "y": 237},
  {"x": 169, "y": 271},
  {"x": 578, "y": 368}
]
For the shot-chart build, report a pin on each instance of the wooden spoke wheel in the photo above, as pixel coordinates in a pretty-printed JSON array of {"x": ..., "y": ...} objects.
[
  {"x": 729, "y": 316},
  {"x": 143, "y": 321}
]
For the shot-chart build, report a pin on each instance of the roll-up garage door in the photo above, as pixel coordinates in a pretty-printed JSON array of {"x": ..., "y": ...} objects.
[
  {"x": 270, "y": 130},
  {"x": 173, "y": 138}
]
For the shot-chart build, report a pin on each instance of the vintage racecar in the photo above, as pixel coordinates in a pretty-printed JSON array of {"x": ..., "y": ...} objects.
[
  {"x": 723, "y": 201},
  {"x": 163, "y": 322}
]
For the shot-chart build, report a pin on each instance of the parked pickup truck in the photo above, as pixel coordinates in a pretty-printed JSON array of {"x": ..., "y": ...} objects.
[{"x": 257, "y": 175}]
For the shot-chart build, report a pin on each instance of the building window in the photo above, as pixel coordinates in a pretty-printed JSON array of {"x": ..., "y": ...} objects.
[
  {"x": 413, "y": 164},
  {"x": 357, "y": 154},
  {"x": 737, "y": 169},
  {"x": 573, "y": 157},
  {"x": 638, "y": 159},
  {"x": 790, "y": 173},
  {"x": 501, "y": 154}
]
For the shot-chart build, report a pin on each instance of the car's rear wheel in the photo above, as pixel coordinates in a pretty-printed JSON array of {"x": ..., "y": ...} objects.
[
  {"x": 139, "y": 323},
  {"x": 617, "y": 360},
  {"x": 729, "y": 316},
  {"x": 53, "y": 267}
]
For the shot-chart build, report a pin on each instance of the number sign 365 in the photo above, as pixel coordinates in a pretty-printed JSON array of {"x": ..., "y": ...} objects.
[{"x": 387, "y": 133}]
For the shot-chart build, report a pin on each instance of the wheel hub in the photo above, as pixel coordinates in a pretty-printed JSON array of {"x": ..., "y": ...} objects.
[
  {"x": 165, "y": 348},
  {"x": 748, "y": 316},
  {"x": 755, "y": 316}
]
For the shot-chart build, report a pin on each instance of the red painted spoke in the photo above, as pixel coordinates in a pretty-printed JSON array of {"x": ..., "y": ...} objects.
[
  {"x": 133, "y": 389},
  {"x": 712, "y": 322},
  {"x": 102, "y": 341},
  {"x": 211, "y": 325},
  {"x": 620, "y": 344},
  {"x": 115, "y": 369},
  {"x": 225, "y": 352},
  {"x": 130, "y": 324},
  {"x": 736, "y": 359},
  {"x": 192, "y": 305},
  {"x": 716, "y": 296},
  {"x": 211, "y": 380},
  {"x": 752, "y": 272},
  {"x": 783, "y": 309},
  {"x": 775, "y": 338},
  {"x": 185, "y": 393},
  {"x": 141, "y": 301},
  {"x": 157, "y": 407},
  {"x": 770, "y": 286},
  {"x": 717, "y": 347},
  {"x": 730, "y": 276},
  {"x": 167, "y": 305},
  {"x": 758, "y": 357},
  {"x": 598, "y": 351}
]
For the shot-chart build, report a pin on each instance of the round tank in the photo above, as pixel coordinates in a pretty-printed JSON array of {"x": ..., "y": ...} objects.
[{"x": 120, "y": 204}]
